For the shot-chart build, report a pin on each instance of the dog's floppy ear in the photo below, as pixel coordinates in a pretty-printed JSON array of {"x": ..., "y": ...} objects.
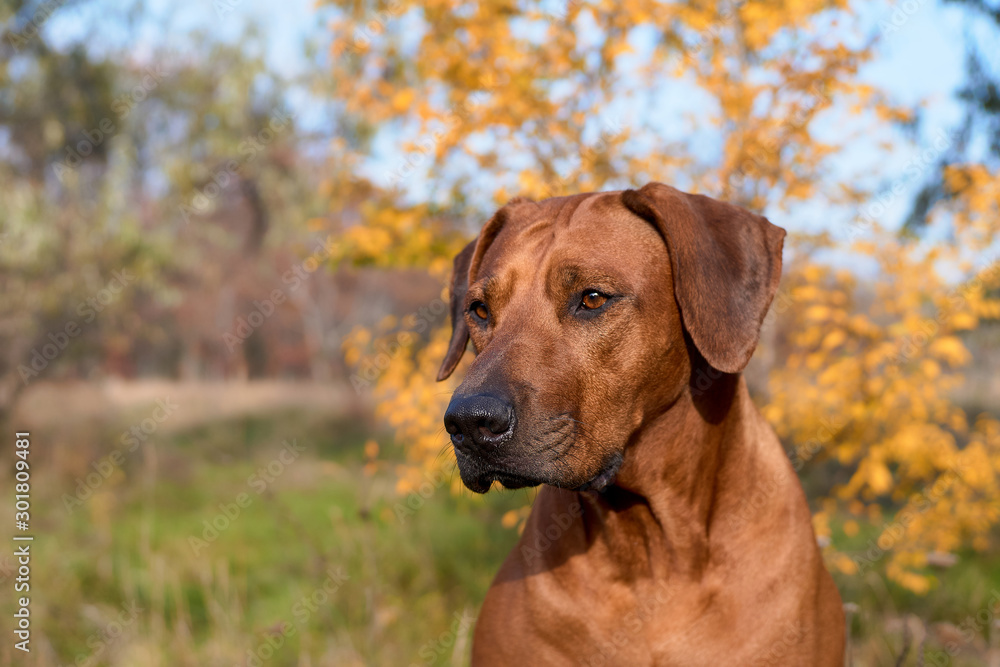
[
  {"x": 459, "y": 330},
  {"x": 726, "y": 264},
  {"x": 471, "y": 254}
]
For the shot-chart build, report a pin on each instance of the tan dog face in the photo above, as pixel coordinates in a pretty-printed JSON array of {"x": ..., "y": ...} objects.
[{"x": 573, "y": 308}]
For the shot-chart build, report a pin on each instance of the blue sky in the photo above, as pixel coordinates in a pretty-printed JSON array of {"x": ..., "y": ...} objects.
[{"x": 920, "y": 62}]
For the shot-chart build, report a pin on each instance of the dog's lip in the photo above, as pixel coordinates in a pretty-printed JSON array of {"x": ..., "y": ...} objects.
[
  {"x": 606, "y": 477},
  {"x": 508, "y": 479},
  {"x": 514, "y": 481},
  {"x": 479, "y": 477}
]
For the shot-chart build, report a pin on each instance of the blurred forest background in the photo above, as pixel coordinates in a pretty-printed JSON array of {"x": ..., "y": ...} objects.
[{"x": 225, "y": 230}]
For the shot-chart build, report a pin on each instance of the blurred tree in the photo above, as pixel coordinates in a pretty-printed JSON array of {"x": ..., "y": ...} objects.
[
  {"x": 136, "y": 197},
  {"x": 980, "y": 97}
]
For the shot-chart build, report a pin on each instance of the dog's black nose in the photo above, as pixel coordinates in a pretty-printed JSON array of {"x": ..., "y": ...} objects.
[{"x": 478, "y": 421}]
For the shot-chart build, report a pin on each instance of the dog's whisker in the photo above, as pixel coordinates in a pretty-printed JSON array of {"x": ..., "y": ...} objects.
[
  {"x": 443, "y": 452},
  {"x": 571, "y": 419}
]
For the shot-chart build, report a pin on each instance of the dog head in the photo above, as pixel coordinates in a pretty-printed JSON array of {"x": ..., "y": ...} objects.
[{"x": 585, "y": 313}]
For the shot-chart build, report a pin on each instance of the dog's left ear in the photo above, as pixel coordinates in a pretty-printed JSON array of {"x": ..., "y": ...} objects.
[
  {"x": 459, "y": 330},
  {"x": 726, "y": 264}
]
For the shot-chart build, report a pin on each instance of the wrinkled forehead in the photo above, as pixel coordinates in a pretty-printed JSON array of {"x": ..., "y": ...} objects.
[{"x": 566, "y": 238}]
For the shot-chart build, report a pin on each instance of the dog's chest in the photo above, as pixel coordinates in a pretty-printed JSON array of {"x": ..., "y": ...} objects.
[{"x": 575, "y": 614}]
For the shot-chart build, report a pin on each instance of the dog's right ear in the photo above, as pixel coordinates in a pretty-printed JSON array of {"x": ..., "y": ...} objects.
[{"x": 459, "y": 330}]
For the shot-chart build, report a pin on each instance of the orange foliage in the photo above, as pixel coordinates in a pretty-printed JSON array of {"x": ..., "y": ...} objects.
[{"x": 492, "y": 99}]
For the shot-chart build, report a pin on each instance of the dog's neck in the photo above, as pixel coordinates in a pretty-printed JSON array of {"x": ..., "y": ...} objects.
[{"x": 685, "y": 466}]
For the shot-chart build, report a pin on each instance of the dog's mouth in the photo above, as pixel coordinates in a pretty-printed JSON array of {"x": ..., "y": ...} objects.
[{"x": 479, "y": 478}]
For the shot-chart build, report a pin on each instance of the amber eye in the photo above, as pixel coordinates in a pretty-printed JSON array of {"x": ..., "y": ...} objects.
[
  {"x": 593, "y": 299},
  {"x": 480, "y": 309}
]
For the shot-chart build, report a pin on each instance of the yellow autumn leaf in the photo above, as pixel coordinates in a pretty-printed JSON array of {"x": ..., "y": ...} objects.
[
  {"x": 950, "y": 349},
  {"x": 963, "y": 320},
  {"x": 833, "y": 339},
  {"x": 843, "y": 563},
  {"x": 879, "y": 477},
  {"x": 402, "y": 99},
  {"x": 817, "y": 313}
]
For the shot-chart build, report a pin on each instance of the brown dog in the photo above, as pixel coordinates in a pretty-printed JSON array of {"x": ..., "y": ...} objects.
[{"x": 610, "y": 330}]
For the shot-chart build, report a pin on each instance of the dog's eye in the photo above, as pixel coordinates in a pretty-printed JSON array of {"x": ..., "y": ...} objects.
[
  {"x": 479, "y": 309},
  {"x": 592, "y": 300}
]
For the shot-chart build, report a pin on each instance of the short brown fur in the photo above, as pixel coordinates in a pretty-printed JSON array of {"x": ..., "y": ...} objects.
[{"x": 671, "y": 528}]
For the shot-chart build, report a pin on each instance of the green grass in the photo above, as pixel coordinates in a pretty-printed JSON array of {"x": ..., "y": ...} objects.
[
  {"x": 407, "y": 581},
  {"x": 131, "y": 541}
]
